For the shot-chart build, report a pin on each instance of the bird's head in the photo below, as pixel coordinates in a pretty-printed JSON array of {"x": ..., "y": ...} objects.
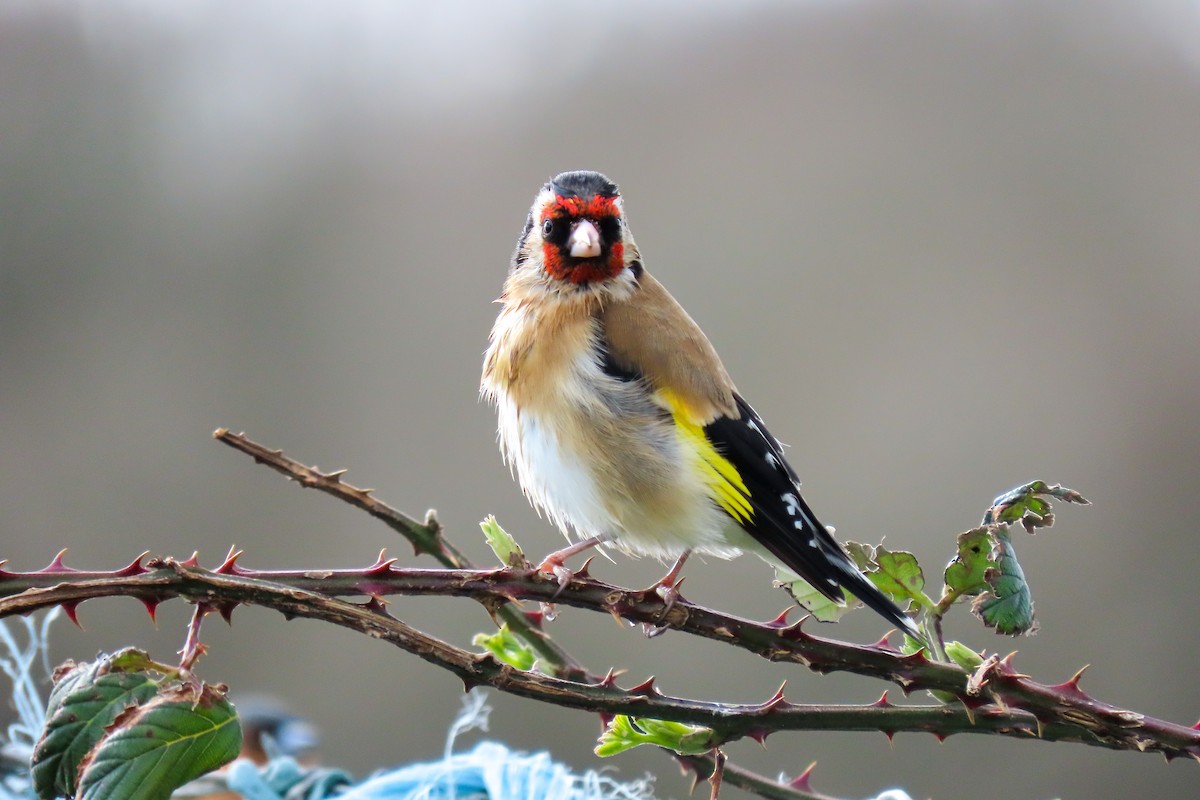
[{"x": 576, "y": 238}]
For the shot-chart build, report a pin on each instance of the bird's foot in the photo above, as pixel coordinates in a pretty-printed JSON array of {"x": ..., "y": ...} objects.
[
  {"x": 555, "y": 564},
  {"x": 667, "y": 588}
]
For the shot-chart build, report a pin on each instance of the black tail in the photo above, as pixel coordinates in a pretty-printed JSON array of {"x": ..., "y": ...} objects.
[{"x": 861, "y": 587}]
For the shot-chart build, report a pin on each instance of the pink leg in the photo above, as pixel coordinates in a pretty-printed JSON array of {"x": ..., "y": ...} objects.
[
  {"x": 667, "y": 586},
  {"x": 554, "y": 564}
]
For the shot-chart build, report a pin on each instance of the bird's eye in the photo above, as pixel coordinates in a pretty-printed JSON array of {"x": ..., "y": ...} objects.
[{"x": 547, "y": 228}]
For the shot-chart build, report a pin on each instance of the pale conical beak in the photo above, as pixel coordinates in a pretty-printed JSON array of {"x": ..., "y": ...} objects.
[{"x": 584, "y": 241}]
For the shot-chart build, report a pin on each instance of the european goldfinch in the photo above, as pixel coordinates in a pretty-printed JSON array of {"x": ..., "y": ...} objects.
[{"x": 619, "y": 418}]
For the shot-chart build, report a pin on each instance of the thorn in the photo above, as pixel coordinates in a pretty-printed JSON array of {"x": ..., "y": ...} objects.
[
  {"x": 229, "y": 565},
  {"x": 1006, "y": 664},
  {"x": 57, "y": 564},
  {"x": 941, "y": 737},
  {"x": 582, "y": 573},
  {"x": 377, "y": 604},
  {"x": 760, "y": 735},
  {"x": 646, "y": 687},
  {"x": 335, "y": 476},
  {"x": 970, "y": 712},
  {"x": 885, "y": 644},
  {"x": 70, "y": 608},
  {"x": 891, "y": 736},
  {"x": 469, "y": 684},
  {"x": 1196, "y": 727},
  {"x": 882, "y": 702},
  {"x": 151, "y": 609},
  {"x": 382, "y": 564},
  {"x": 226, "y": 611},
  {"x": 802, "y": 782},
  {"x": 781, "y": 620},
  {"x": 919, "y": 657},
  {"x": 1071, "y": 686},
  {"x": 795, "y": 631},
  {"x": 192, "y": 562},
  {"x": 775, "y": 699},
  {"x": 718, "y": 773},
  {"x": 135, "y": 567},
  {"x": 609, "y": 681}
]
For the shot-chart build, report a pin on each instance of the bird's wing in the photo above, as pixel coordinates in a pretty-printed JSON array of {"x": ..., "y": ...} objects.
[
  {"x": 652, "y": 338},
  {"x": 781, "y": 520}
]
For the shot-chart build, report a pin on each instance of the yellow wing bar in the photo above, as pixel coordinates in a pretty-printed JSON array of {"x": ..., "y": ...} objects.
[{"x": 725, "y": 484}]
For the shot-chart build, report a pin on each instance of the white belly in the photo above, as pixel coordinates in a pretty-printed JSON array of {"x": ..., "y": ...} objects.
[{"x": 564, "y": 484}]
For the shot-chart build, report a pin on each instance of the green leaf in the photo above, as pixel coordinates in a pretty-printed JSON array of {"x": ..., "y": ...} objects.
[
  {"x": 507, "y": 648},
  {"x": 962, "y": 655},
  {"x": 1028, "y": 505},
  {"x": 965, "y": 574},
  {"x": 156, "y": 748},
  {"x": 625, "y": 733},
  {"x": 899, "y": 575},
  {"x": 503, "y": 544},
  {"x": 815, "y": 603},
  {"x": 863, "y": 555},
  {"x": 85, "y": 701},
  {"x": 1008, "y": 606}
]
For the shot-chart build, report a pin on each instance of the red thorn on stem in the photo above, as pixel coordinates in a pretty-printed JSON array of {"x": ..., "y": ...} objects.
[
  {"x": 582, "y": 573},
  {"x": 760, "y": 735},
  {"x": 941, "y": 737},
  {"x": 1196, "y": 727},
  {"x": 382, "y": 564},
  {"x": 646, "y": 687},
  {"x": 135, "y": 567},
  {"x": 151, "y": 609},
  {"x": 70, "y": 608},
  {"x": 57, "y": 564},
  {"x": 229, "y": 565},
  {"x": 193, "y": 562},
  {"x": 882, "y": 702},
  {"x": 610, "y": 679},
  {"x": 884, "y": 643},
  {"x": 891, "y": 738},
  {"x": 377, "y": 604},
  {"x": 1005, "y": 667},
  {"x": 1071, "y": 686},
  {"x": 226, "y": 611},
  {"x": 781, "y": 620},
  {"x": 795, "y": 631},
  {"x": 803, "y": 781},
  {"x": 775, "y": 700}
]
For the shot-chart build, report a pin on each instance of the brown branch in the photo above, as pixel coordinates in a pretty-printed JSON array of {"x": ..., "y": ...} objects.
[
  {"x": 426, "y": 538},
  {"x": 1022, "y": 709},
  {"x": 170, "y": 577}
]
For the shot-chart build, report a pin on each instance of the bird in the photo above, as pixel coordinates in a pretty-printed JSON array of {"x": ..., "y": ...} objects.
[{"x": 620, "y": 420}]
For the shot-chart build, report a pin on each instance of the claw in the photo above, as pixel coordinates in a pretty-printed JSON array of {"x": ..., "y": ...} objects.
[
  {"x": 555, "y": 563},
  {"x": 667, "y": 586}
]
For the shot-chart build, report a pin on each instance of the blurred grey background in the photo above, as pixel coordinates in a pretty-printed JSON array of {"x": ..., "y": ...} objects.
[{"x": 943, "y": 247}]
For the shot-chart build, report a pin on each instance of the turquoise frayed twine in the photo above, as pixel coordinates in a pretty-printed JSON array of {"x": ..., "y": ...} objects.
[{"x": 16, "y": 746}]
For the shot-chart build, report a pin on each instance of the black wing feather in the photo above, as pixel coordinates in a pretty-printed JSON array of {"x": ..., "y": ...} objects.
[{"x": 783, "y": 523}]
